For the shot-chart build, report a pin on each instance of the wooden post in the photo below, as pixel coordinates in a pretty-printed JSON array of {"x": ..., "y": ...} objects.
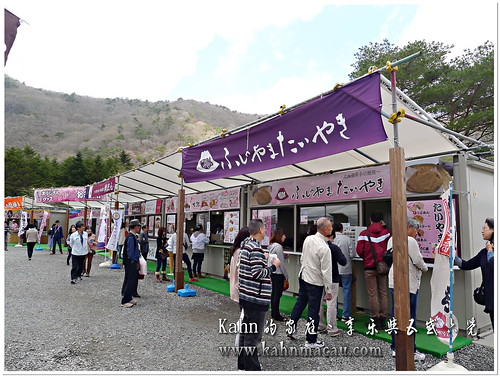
[
  {"x": 404, "y": 343},
  {"x": 66, "y": 226},
  {"x": 179, "y": 274},
  {"x": 85, "y": 213}
]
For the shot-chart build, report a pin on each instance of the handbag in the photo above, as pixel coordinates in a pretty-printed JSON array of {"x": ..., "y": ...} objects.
[
  {"x": 381, "y": 267},
  {"x": 479, "y": 295},
  {"x": 143, "y": 266},
  {"x": 286, "y": 284}
]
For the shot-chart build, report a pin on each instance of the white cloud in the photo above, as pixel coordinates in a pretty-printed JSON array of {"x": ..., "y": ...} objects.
[
  {"x": 463, "y": 24},
  {"x": 134, "y": 49},
  {"x": 288, "y": 91}
]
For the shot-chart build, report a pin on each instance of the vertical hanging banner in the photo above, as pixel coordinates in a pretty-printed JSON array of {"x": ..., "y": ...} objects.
[
  {"x": 89, "y": 216},
  {"x": 117, "y": 217},
  {"x": 342, "y": 120},
  {"x": 42, "y": 225},
  {"x": 24, "y": 223},
  {"x": 440, "y": 280},
  {"x": 103, "y": 229}
]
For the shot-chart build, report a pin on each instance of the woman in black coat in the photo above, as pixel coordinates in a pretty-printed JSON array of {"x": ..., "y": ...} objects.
[
  {"x": 486, "y": 260},
  {"x": 161, "y": 256}
]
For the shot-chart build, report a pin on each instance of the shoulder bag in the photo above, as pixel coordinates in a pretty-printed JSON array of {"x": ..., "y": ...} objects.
[
  {"x": 381, "y": 267},
  {"x": 479, "y": 295}
]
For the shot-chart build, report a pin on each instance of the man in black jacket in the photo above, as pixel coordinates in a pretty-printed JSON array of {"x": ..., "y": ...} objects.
[{"x": 331, "y": 305}]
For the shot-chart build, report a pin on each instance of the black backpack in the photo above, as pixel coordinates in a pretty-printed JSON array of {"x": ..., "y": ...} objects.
[{"x": 387, "y": 258}]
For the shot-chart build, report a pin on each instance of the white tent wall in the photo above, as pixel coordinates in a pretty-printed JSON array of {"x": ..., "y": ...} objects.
[{"x": 474, "y": 184}]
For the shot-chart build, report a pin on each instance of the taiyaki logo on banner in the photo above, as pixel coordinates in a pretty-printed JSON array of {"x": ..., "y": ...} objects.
[{"x": 336, "y": 122}]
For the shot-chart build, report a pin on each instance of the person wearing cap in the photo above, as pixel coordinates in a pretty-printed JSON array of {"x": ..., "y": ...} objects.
[
  {"x": 57, "y": 236},
  {"x": 131, "y": 255},
  {"x": 79, "y": 249}
]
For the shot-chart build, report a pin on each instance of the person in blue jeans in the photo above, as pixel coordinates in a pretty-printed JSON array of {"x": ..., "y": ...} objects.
[
  {"x": 161, "y": 256},
  {"x": 315, "y": 274},
  {"x": 346, "y": 245},
  {"x": 415, "y": 269}
]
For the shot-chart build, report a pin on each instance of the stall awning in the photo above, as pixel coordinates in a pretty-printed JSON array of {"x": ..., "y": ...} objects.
[{"x": 161, "y": 178}]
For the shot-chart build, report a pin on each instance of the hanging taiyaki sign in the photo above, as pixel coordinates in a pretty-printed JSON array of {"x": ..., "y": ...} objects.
[
  {"x": 361, "y": 183},
  {"x": 340, "y": 121}
]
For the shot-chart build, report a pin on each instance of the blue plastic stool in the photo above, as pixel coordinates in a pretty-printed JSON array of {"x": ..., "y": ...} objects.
[
  {"x": 186, "y": 292},
  {"x": 171, "y": 287}
]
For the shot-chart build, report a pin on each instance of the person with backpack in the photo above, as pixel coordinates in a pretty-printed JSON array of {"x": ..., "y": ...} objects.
[
  {"x": 416, "y": 267},
  {"x": 131, "y": 255},
  {"x": 234, "y": 264},
  {"x": 373, "y": 241}
]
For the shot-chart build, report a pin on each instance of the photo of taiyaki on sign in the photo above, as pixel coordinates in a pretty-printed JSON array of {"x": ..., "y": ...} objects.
[
  {"x": 426, "y": 178},
  {"x": 261, "y": 195}
]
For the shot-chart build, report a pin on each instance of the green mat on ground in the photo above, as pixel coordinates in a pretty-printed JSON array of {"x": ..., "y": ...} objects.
[{"x": 425, "y": 343}]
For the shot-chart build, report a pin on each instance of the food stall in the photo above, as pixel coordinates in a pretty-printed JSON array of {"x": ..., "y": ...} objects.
[{"x": 219, "y": 212}]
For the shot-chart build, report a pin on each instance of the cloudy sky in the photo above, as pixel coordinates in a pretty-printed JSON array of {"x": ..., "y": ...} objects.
[{"x": 249, "y": 56}]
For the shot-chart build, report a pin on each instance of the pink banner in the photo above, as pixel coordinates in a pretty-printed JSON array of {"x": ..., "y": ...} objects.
[
  {"x": 98, "y": 190},
  {"x": 59, "y": 195},
  {"x": 354, "y": 184},
  {"x": 431, "y": 215},
  {"x": 214, "y": 200}
]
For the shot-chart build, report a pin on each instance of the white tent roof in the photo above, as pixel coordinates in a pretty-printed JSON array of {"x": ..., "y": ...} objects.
[{"x": 161, "y": 178}]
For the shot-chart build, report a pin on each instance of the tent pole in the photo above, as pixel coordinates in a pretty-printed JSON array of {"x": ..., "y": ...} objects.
[
  {"x": 404, "y": 343},
  {"x": 421, "y": 110},
  {"x": 179, "y": 247}
]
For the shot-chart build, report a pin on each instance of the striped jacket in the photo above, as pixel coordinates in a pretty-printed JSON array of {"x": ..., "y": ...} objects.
[
  {"x": 254, "y": 274},
  {"x": 379, "y": 236}
]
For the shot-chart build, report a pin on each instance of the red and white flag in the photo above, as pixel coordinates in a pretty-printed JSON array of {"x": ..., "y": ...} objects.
[{"x": 440, "y": 280}]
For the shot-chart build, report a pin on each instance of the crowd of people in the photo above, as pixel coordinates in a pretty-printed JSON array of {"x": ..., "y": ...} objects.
[
  {"x": 325, "y": 262},
  {"x": 258, "y": 277}
]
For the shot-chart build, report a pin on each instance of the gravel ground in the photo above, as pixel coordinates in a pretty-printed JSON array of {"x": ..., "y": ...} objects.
[{"x": 51, "y": 325}]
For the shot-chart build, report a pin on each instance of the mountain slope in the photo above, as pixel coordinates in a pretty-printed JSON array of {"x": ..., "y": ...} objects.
[{"x": 58, "y": 124}]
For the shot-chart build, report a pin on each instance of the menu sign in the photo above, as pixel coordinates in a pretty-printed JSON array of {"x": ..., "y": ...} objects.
[
  {"x": 231, "y": 226},
  {"x": 214, "y": 200},
  {"x": 430, "y": 214}
]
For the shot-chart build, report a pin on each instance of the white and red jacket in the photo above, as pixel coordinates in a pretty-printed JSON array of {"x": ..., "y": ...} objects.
[{"x": 379, "y": 237}]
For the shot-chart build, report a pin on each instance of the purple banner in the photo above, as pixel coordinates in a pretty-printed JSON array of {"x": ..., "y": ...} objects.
[
  {"x": 59, "y": 195},
  {"x": 96, "y": 191},
  {"x": 345, "y": 119}
]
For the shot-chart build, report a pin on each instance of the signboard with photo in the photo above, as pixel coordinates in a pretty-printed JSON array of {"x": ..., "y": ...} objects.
[
  {"x": 157, "y": 224},
  {"x": 151, "y": 225},
  {"x": 170, "y": 225},
  {"x": 231, "y": 226},
  {"x": 430, "y": 215}
]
